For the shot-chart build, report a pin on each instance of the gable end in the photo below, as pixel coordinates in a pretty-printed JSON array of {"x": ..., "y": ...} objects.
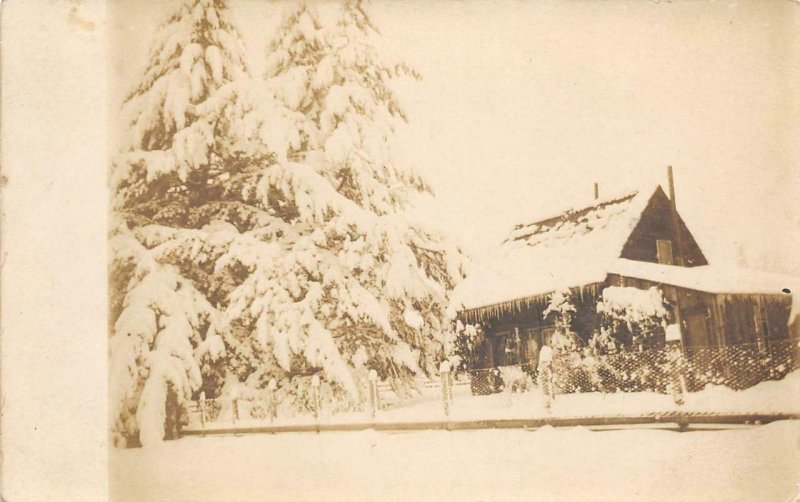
[{"x": 656, "y": 224}]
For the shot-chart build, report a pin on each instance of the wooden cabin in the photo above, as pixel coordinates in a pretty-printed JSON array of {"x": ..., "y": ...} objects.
[{"x": 636, "y": 240}]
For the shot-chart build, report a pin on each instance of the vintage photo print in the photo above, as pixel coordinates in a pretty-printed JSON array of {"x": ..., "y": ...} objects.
[{"x": 452, "y": 250}]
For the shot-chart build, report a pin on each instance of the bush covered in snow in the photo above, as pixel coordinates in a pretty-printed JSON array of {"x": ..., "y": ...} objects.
[
  {"x": 562, "y": 312},
  {"x": 515, "y": 379},
  {"x": 633, "y": 317},
  {"x": 564, "y": 342},
  {"x": 465, "y": 340}
]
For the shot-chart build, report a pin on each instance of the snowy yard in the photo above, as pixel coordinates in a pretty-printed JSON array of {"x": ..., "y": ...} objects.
[{"x": 760, "y": 463}]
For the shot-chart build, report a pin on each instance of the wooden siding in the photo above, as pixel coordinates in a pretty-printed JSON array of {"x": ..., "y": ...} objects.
[
  {"x": 656, "y": 224},
  {"x": 708, "y": 319},
  {"x": 731, "y": 317},
  {"x": 738, "y": 313}
]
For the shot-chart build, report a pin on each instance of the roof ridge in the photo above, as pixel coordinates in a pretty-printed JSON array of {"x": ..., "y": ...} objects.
[{"x": 570, "y": 211}]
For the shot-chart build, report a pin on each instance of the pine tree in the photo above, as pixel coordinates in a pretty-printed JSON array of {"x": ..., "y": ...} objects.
[
  {"x": 333, "y": 79},
  {"x": 180, "y": 185},
  {"x": 360, "y": 286},
  {"x": 244, "y": 248}
]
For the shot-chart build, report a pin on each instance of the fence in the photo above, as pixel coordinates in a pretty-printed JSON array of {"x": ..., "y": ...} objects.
[
  {"x": 737, "y": 367},
  {"x": 663, "y": 370}
]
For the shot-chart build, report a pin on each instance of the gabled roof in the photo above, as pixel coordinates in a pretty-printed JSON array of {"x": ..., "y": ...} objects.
[{"x": 572, "y": 249}]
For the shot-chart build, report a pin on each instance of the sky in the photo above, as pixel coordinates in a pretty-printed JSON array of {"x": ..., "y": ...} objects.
[{"x": 523, "y": 106}]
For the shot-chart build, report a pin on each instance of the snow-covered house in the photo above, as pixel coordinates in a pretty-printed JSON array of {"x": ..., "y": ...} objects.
[{"x": 637, "y": 241}]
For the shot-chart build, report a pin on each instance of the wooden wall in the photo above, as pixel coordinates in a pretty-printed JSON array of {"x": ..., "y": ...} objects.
[
  {"x": 709, "y": 320},
  {"x": 656, "y": 224},
  {"x": 731, "y": 318},
  {"x": 738, "y": 315}
]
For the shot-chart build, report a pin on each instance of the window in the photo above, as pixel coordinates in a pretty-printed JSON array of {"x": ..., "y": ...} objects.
[
  {"x": 504, "y": 348},
  {"x": 530, "y": 347},
  {"x": 664, "y": 252}
]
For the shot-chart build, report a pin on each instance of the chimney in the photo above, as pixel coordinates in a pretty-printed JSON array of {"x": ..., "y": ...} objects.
[
  {"x": 677, "y": 252},
  {"x": 671, "y": 187},
  {"x": 596, "y": 190}
]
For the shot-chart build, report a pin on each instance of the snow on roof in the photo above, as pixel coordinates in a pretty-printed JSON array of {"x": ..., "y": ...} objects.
[
  {"x": 572, "y": 249},
  {"x": 707, "y": 278}
]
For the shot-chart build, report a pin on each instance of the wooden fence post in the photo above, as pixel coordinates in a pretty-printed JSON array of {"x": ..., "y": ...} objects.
[
  {"x": 203, "y": 409},
  {"x": 676, "y": 368},
  {"x": 235, "y": 405},
  {"x": 373, "y": 392},
  {"x": 273, "y": 405},
  {"x": 315, "y": 395},
  {"x": 444, "y": 375}
]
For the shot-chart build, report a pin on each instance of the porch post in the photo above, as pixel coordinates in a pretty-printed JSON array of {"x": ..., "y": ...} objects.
[{"x": 678, "y": 314}]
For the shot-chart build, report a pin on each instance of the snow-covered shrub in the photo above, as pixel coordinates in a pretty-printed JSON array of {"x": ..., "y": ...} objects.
[
  {"x": 515, "y": 379},
  {"x": 602, "y": 342},
  {"x": 467, "y": 339},
  {"x": 567, "y": 372},
  {"x": 633, "y": 317},
  {"x": 561, "y": 310}
]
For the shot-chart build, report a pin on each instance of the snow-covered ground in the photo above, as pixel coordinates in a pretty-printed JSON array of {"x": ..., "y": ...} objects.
[
  {"x": 760, "y": 463},
  {"x": 781, "y": 396}
]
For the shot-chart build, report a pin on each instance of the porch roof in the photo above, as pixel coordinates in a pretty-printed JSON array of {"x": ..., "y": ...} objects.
[{"x": 708, "y": 278}]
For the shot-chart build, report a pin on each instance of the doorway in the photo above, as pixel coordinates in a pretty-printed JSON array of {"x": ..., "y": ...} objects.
[{"x": 698, "y": 331}]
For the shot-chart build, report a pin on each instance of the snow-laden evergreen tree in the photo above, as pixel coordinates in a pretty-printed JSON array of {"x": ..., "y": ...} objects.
[
  {"x": 360, "y": 284},
  {"x": 247, "y": 246},
  {"x": 182, "y": 192},
  {"x": 330, "y": 75}
]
